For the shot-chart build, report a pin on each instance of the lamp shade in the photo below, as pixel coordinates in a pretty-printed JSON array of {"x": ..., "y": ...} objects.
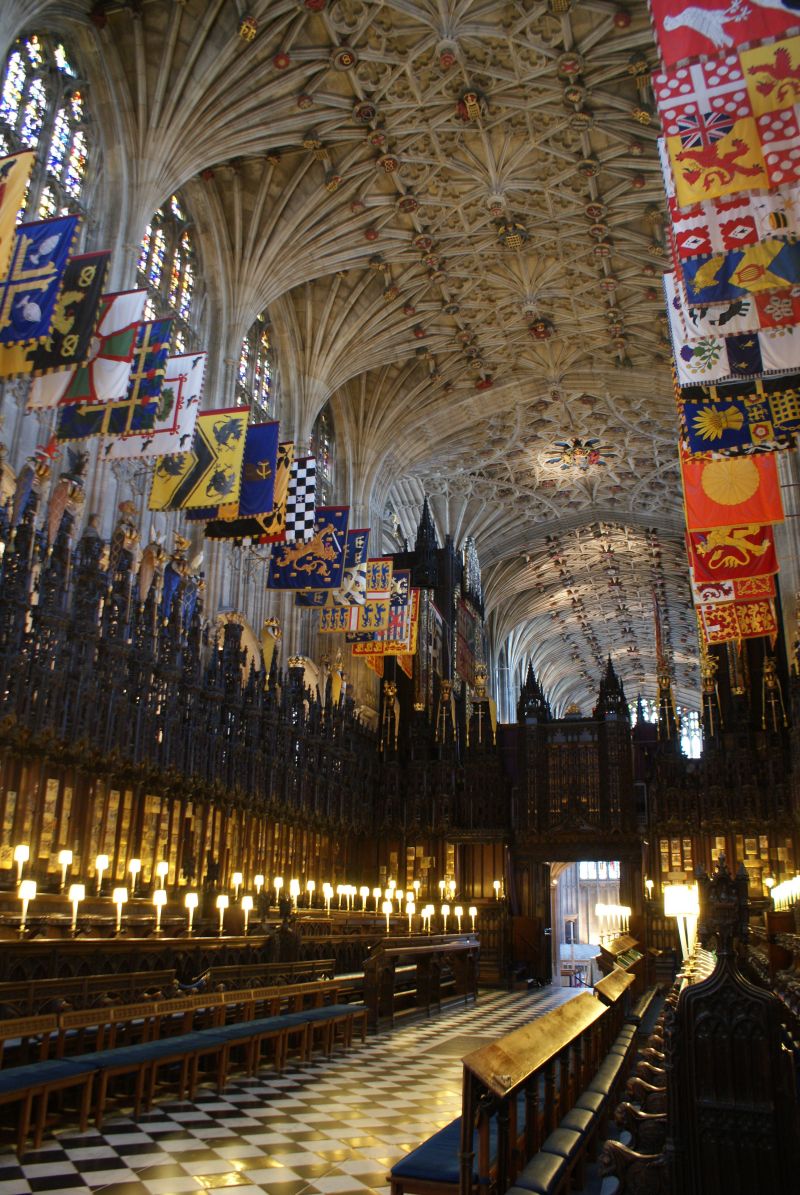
[{"x": 681, "y": 900}]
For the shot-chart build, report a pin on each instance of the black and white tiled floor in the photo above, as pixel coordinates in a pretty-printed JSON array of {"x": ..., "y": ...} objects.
[{"x": 332, "y": 1128}]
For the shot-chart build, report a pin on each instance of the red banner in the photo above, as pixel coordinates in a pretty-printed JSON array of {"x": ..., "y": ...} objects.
[
  {"x": 730, "y": 491},
  {"x": 729, "y": 553},
  {"x": 688, "y": 28},
  {"x": 738, "y": 620}
]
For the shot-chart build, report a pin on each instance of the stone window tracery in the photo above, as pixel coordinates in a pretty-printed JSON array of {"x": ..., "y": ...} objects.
[
  {"x": 323, "y": 447},
  {"x": 254, "y": 379},
  {"x": 168, "y": 269},
  {"x": 43, "y": 107}
]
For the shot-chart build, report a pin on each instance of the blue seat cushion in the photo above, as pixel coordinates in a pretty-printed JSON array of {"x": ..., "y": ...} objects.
[
  {"x": 153, "y": 1051},
  {"x": 40, "y": 1074},
  {"x": 580, "y": 1120},
  {"x": 437, "y": 1159},
  {"x": 565, "y": 1143},
  {"x": 590, "y": 1101},
  {"x": 251, "y": 1028},
  {"x": 541, "y": 1174}
]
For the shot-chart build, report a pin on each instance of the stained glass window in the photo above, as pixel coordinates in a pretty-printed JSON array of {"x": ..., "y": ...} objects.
[
  {"x": 691, "y": 733},
  {"x": 167, "y": 268},
  {"x": 254, "y": 381},
  {"x": 42, "y": 107},
  {"x": 323, "y": 447}
]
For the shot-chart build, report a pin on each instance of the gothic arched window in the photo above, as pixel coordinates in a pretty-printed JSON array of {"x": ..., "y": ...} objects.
[
  {"x": 167, "y": 268},
  {"x": 323, "y": 447},
  {"x": 254, "y": 380},
  {"x": 43, "y": 107}
]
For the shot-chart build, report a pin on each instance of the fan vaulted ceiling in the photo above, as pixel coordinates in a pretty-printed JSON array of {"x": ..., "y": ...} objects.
[{"x": 453, "y": 214}]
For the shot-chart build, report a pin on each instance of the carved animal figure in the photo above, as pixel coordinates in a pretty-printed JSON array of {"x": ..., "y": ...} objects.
[
  {"x": 638, "y": 1174},
  {"x": 651, "y": 1074},
  {"x": 651, "y": 1099},
  {"x": 648, "y": 1129},
  {"x": 713, "y": 168}
]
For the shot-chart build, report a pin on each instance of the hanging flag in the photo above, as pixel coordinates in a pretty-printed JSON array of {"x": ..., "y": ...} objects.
[
  {"x": 28, "y": 295},
  {"x": 301, "y": 498},
  {"x": 263, "y": 528},
  {"x": 257, "y": 494},
  {"x": 710, "y": 130},
  {"x": 176, "y": 414},
  {"x": 368, "y": 617},
  {"x": 772, "y": 73},
  {"x": 714, "y": 85},
  {"x": 371, "y": 616},
  {"x": 729, "y": 491},
  {"x": 719, "y": 358},
  {"x": 73, "y": 323},
  {"x": 375, "y": 664},
  {"x": 768, "y": 266},
  {"x": 353, "y": 591},
  {"x": 406, "y": 665},
  {"x": 401, "y": 637},
  {"x": 690, "y": 28},
  {"x": 399, "y": 596},
  {"x": 756, "y": 313},
  {"x": 718, "y": 225},
  {"x": 738, "y": 620},
  {"x": 708, "y": 593},
  {"x": 731, "y": 553},
  {"x": 273, "y": 525},
  {"x": 137, "y": 412},
  {"x": 211, "y": 471},
  {"x": 15, "y": 170},
  {"x": 103, "y": 376},
  {"x": 739, "y": 418},
  {"x": 317, "y": 563}
]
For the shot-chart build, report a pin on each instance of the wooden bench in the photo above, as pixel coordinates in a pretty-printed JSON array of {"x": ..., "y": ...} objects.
[
  {"x": 533, "y": 1103},
  {"x": 514, "y": 1092},
  {"x": 146, "y": 1039}
]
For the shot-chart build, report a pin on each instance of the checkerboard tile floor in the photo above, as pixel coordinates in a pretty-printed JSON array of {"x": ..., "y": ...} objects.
[{"x": 332, "y": 1128}]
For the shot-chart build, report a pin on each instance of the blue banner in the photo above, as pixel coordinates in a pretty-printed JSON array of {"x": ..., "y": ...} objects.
[
  {"x": 28, "y": 295},
  {"x": 319, "y": 562}
]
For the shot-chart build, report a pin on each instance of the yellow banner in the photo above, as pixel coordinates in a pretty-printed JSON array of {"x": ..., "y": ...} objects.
[
  {"x": 713, "y": 168},
  {"x": 14, "y": 174},
  {"x": 212, "y": 472}
]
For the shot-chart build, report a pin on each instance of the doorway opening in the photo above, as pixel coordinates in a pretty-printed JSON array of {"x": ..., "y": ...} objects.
[{"x": 576, "y": 891}]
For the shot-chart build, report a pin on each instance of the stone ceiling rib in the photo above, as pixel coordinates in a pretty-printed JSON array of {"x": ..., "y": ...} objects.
[{"x": 371, "y": 211}]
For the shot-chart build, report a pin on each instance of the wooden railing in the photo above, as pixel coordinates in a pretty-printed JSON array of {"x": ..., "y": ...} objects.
[{"x": 563, "y": 1049}]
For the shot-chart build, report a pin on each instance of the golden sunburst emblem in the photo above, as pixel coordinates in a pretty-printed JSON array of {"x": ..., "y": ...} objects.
[
  {"x": 711, "y": 423},
  {"x": 730, "y": 482}
]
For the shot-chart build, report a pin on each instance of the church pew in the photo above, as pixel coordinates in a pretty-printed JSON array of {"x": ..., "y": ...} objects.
[{"x": 515, "y": 1093}]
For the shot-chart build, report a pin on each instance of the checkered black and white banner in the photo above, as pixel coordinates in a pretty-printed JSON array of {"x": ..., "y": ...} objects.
[{"x": 300, "y": 501}]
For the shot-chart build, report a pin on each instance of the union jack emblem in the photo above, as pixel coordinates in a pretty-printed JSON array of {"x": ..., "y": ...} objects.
[{"x": 696, "y": 129}]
